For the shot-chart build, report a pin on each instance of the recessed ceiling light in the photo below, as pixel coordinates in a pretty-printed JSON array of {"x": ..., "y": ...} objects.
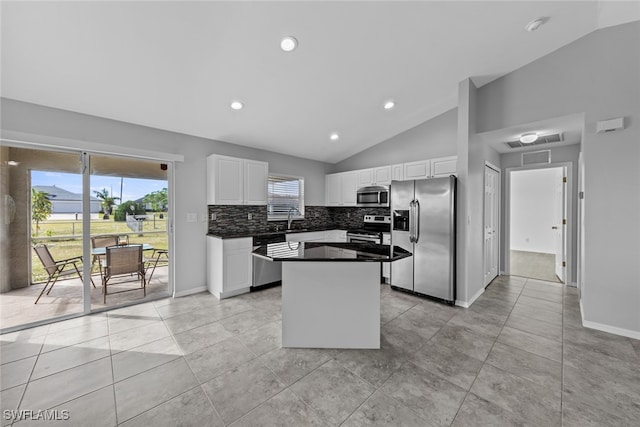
[
  {"x": 288, "y": 43},
  {"x": 334, "y": 136},
  {"x": 535, "y": 24},
  {"x": 12, "y": 163},
  {"x": 528, "y": 138},
  {"x": 237, "y": 105},
  {"x": 389, "y": 105}
]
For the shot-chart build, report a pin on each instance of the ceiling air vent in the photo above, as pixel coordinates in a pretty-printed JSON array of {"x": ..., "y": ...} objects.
[
  {"x": 546, "y": 139},
  {"x": 536, "y": 157}
]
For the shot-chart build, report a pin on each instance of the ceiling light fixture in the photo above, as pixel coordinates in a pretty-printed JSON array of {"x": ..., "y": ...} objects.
[
  {"x": 237, "y": 105},
  {"x": 288, "y": 43},
  {"x": 334, "y": 136},
  {"x": 12, "y": 163},
  {"x": 389, "y": 105},
  {"x": 535, "y": 24},
  {"x": 528, "y": 138}
]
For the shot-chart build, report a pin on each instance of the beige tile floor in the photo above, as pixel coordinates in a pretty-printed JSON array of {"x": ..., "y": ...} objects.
[
  {"x": 17, "y": 307},
  {"x": 518, "y": 356}
]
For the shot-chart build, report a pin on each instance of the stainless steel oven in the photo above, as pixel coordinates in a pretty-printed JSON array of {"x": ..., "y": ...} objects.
[
  {"x": 363, "y": 238},
  {"x": 375, "y": 196}
]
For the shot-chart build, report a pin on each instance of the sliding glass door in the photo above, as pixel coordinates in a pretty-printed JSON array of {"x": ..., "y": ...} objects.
[
  {"x": 47, "y": 199},
  {"x": 129, "y": 199}
]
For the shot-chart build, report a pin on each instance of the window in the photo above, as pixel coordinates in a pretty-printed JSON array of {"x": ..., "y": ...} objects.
[{"x": 285, "y": 195}]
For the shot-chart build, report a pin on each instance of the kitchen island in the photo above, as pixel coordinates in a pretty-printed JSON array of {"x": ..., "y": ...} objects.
[{"x": 330, "y": 292}]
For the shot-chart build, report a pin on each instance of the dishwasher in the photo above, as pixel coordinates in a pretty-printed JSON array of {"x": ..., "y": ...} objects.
[{"x": 266, "y": 273}]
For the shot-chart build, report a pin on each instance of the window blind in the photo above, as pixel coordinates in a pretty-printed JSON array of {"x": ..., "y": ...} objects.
[{"x": 285, "y": 194}]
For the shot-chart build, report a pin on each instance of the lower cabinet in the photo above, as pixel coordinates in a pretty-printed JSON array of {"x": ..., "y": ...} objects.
[
  {"x": 386, "y": 266},
  {"x": 229, "y": 266}
]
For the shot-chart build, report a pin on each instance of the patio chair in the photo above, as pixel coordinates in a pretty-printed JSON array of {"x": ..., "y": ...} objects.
[
  {"x": 121, "y": 261},
  {"x": 152, "y": 262},
  {"x": 56, "y": 269},
  {"x": 102, "y": 242}
]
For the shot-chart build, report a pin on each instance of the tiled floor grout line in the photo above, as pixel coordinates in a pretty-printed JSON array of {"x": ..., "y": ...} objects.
[{"x": 484, "y": 362}]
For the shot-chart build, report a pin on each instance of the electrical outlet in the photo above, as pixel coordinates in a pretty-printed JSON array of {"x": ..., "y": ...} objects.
[
  {"x": 213, "y": 216},
  {"x": 249, "y": 216},
  {"x": 348, "y": 214}
]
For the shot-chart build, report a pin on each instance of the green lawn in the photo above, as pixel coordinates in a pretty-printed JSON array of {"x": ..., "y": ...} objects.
[{"x": 64, "y": 238}]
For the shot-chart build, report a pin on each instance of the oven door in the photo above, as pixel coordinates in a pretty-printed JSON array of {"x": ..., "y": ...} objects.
[{"x": 362, "y": 238}]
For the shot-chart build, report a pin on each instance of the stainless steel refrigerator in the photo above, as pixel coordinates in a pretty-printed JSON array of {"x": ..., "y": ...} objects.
[{"x": 424, "y": 223}]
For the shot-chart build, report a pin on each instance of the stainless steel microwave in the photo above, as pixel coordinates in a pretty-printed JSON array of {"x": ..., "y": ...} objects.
[{"x": 375, "y": 196}]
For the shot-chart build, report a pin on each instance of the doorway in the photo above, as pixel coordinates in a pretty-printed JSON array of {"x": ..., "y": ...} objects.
[
  {"x": 537, "y": 226},
  {"x": 51, "y": 211},
  {"x": 491, "y": 222}
]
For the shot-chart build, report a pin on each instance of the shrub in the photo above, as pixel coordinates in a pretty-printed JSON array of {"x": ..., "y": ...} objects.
[{"x": 124, "y": 209}]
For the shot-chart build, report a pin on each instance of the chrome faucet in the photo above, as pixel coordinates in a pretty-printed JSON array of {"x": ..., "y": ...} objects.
[{"x": 289, "y": 219}]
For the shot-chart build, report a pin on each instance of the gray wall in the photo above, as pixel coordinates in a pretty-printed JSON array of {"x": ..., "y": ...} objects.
[
  {"x": 596, "y": 75},
  {"x": 434, "y": 138},
  {"x": 566, "y": 154},
  {"x": 190, "y": 175}
]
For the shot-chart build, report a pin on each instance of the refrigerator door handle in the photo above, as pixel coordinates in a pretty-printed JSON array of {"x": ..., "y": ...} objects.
[
  {"x": 411, "y": 224},
  {"x": 416, "y": 234}
]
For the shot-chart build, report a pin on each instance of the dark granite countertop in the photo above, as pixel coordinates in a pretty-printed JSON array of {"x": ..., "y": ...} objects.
[
  {"x": 236, "y": 234},
  {"x": 319, "y": 251}
]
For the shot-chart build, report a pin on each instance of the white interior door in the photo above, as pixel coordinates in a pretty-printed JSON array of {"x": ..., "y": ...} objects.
[
  {"x": 491, "y": 212},
  {"x": 560, "y": 226}
]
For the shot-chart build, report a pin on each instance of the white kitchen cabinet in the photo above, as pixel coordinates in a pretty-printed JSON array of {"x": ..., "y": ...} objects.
[
  {"x": 341, "y": 189},
  {"x": 235, "y": 181},
  {"x": 365, "y": 177},
  {"x": 229, "y": 266},
  {"x": 382, "y": 175},
  {"x": 349, "y": 188},
  {"x": 386, "y": 266},
  {"x": 444, "y": 166},
  {"x": 256, "y": 175},
  {"x": 417, "y": 170},
  {"x": 374, "y": 176},
  {"x": 397, "y": 172}
]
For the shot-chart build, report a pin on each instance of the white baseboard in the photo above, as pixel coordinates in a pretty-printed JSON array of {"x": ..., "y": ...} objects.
[
  {"x": 190, "y": 292},
  {"x": 607, "y": 328},
  {"x": 467, "y": 304},
  {"x": 233, "y": 293}
]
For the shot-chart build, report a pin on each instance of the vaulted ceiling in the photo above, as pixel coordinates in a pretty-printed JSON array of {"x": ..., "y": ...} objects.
[{"x": 178, "y": 65}]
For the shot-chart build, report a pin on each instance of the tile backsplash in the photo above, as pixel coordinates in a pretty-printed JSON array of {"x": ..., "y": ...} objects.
[{"x": 235, "y": 218}]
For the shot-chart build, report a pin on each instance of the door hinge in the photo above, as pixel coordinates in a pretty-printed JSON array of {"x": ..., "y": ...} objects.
[
  {"x": 564, "y": 263},
  {"x": 564, "y": 222},
  {"x": 564, "y": 179}
]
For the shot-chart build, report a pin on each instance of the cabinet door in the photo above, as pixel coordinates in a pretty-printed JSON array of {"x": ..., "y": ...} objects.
[
  {"x": 417, "y": 170},
  {"x": 333, "y": 190},
  {"x": 225, "y": 180},
  {"x": 444, "y": 166},
  {"x": 382, "y": 175},
  {"x": 397, "y": 172},
  {"x": 237, "y": 264},
  {"x": 349, "y": 188},
  {"x": 255, "y": 182},
  {"x": 365, "y": 178}
]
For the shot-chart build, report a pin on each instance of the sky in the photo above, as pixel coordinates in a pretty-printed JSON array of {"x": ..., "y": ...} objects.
[{"x": 132, "y": 188}]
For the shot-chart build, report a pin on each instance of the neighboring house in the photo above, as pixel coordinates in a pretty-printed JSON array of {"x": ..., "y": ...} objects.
[{"x": 64, "y": 201}]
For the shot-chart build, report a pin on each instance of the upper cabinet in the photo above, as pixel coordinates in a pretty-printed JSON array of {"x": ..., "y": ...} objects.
[
  {"x": 434, "y": 168},
  {"x": 374, "y": 176},
  {"x": 340, "y": 189},
  {"x": 444, "y": 166},
  {"x": 417, "y": 170},
  {"x": 234, "y": 181},
  {"x": 397, "y": 172}
]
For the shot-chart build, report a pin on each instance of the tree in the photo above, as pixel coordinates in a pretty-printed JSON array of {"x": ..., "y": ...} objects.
[
  {"x": 124, "y": 209},
  {"x": 107, "y": 201},
  {"x": 40, "y": 207},
  {"x": 157, "y": 199}
]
